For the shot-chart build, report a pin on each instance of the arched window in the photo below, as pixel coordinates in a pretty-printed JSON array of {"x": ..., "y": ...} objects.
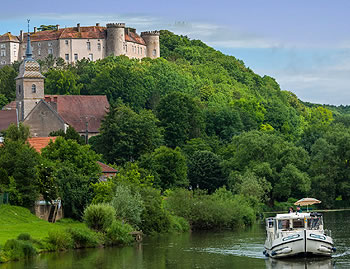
[
  {"x": 33, "y": 88},
  {"x": 19, "y": 89}
]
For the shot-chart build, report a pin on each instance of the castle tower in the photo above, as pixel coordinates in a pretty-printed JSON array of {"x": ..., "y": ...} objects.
[
  {"x": 115, "y": 39},
  {"x": 152, "y": 41},
  {"x": 29, "y": 84}
]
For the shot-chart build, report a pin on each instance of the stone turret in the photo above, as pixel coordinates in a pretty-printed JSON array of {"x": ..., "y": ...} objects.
[
  {"x": 115, "y": 39},
  {"x": 152, "y": 41},
  {"x": 29, "y": 84}
]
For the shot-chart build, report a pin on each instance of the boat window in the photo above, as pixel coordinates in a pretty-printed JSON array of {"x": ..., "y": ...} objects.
[
  {"x": 270, "y": 223},
  {"x": 283, "y": 224},
  {"x": 314, "y": 223},
  {"x": 298, "y": 223}
]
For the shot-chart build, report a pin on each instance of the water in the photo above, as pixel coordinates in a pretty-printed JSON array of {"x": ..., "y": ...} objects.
[{"x": 240, "y": 249}]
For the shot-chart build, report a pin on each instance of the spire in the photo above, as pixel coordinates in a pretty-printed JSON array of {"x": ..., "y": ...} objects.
[{"x": 29, "y": 53}]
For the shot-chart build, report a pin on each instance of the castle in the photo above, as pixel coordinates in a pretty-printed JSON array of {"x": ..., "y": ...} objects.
[{"x": 75, "y": 43}]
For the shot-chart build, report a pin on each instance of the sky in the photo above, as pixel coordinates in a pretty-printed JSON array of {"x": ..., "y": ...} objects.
[{"x": 303, "y": 44}]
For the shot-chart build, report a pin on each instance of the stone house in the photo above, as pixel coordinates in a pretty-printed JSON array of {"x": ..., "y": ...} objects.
[{"x": 75, "y": 43}]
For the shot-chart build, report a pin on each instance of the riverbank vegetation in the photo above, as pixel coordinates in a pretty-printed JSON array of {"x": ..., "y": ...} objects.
[{"x": 199, "y": 141}]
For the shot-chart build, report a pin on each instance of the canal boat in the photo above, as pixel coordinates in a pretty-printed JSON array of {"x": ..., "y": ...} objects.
[{"x": 297, "y": 233}]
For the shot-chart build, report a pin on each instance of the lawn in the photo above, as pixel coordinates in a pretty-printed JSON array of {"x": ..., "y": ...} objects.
[{"x": 15, "y": 220}]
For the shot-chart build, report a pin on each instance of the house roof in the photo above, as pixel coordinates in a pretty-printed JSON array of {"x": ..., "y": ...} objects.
[
  {"x": 75, "y": 110},
  {"x": 106, "y": 169},
  {"x": 38, "y": 143},
  {"x": 8, "y": 37},
  {"x": 11, "y": 105},
  {"x": 6, "y": 118},
  {"x": 89, "y": 32}
]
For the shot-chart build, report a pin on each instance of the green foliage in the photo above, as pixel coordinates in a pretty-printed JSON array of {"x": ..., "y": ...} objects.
[
  {"x": 59, "y": 240},
  {"x": 8, "y": 83},
  {"x": 18, "y": 175},
  {"x": 47, "y": 27},
  {"x": 24, "y": 237},
  {"x": 99, "y": 216},
  {"x": 119, "y": 233},
  {"x": 83, "y": 237},
  {"x": 14, "y": 133},
  {"x": 126, "y": 135},
  {"x": 205, "y": 171},
  {"x": 181, "y": 118},
  {"x": 16, "y": 249},
  {"x": 179, "y": 224},
  {"x": 154, "y": 218},
  {"x": 70, "y": 133},
  {"x": 128, "y": 206},
  {"x": 168, "y": 166},
  {"x": 60, "y": 81},
  {"x": 3, "y": 100}
]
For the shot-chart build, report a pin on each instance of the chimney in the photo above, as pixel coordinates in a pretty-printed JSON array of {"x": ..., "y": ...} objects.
[
  {"x": 21, "y": 35},
  {"x": 57, "y": 27},
  {"x": 34, "y": 30},
  {"x": 78, "y": 26},
  {"x": 97, "y": 24}
]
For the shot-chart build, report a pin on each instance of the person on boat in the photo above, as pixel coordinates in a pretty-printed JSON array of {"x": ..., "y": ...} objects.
[
  {"x": 299, "y": 209},
  {"x": 291, "y": 210}
]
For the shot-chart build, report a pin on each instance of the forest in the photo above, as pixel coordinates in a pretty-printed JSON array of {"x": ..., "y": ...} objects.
[{"x": 193, "y": 125}]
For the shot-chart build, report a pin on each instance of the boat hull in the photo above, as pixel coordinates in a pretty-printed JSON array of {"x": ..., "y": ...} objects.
[{"x": 302, "y": 243}]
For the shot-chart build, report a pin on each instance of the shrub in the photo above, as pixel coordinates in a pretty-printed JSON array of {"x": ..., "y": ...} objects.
[
  {"x": 59, "y": 240},
  {"x": 99, "y": 217},
  {"x": 179, "y": 224},
  {"x": 154, "y": 218},
  {"x": 128, "y": 205},
  {"x": 119, "y": 233},
  {"x": 16, "y": 249},
  {"x": 24, "y": 236},
  {"x": 83, "y": 237}
]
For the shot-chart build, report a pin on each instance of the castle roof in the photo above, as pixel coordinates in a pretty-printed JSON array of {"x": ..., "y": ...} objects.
[
  {"x": 75, "y": 110},
  {"x": 8, "y": 37},
  {"x": 89, "y": 32}
]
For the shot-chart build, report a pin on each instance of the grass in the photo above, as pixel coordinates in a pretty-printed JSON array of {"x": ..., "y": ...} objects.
[{"x": 15, "y": 220}]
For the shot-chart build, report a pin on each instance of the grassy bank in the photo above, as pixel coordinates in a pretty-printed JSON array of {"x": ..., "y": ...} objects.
[{"x": 15, "y": 220}]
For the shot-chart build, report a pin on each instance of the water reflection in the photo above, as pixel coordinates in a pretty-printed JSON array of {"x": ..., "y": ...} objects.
[
  {"x": 225, "y": 249},
  {"x": 301, "y": 263}
]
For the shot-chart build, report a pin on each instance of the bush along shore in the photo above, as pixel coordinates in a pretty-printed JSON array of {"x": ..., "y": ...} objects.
[{"x": 112, "y": 223}]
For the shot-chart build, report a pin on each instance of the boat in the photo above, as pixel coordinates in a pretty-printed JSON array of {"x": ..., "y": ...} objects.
[{"x": 297, "y": 234}]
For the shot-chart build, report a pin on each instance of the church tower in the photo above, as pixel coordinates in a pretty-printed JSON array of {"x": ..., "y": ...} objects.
[{"x": 29, "y": 83}]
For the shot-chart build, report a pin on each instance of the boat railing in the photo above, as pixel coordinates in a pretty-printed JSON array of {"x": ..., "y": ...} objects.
[{"x": 328, "y": 232}]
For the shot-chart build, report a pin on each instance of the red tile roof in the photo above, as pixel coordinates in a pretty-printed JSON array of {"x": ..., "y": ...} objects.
[
  {"x": 11, "y": 105},
  {"x": 91, "y": 32},
  {"x": 8, "y": 37},
  {"x": 76, "y": 109},
  {"x": 106, "y": 169},
  {"x": 6, "y": 118},
  {"x": 38, "y": 143}
]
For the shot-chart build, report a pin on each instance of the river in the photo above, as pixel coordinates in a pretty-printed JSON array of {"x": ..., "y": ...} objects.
[{"x": 226, "y": 249}]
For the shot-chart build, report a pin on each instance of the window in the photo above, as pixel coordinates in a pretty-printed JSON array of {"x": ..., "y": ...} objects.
[
  {"x": 138, "y": 50},
  {"x": 19, "y": 89},
  {"x": 33, "y": 88},
  {"x": 141, "y": 51},
  {"x": 39, "y": 44},
  {"x": 88, "y": 45},
  {"x": 39, "y": 52},
  {"x": 15, "y": 45},
  {"x": 154, "y": 52},
  {"x": 50, "y": 44},
  {"x": 3, "y": 46},
  {"x": 99, "y": 46},
  {"x": 67, "y": 57},
  {"x": 3, "y": 53},
  {"x": 3, "y": 62},
  {"x": 298, "y": 223},
  {"x": 91, "y": 57},
  {"x": 50, "y": 51},
  {"x": 66, "y": 42},
  {"x": 76, "y": 56}
]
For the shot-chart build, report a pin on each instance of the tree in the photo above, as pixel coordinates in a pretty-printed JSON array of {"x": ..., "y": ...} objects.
[
  {"x": 69, "y": 152},
  {"x": 18, "y": 175},
  {"x": 126, "y": 135},
  {"x": 14, "y": 133},
  {"x": 70, "y": 133},
  {"x": 3, "y": 100},
  {"x": 47, "y": 27},
  {"x": 8, "y": 82},
  {"x": 181, "y": 118},
  {"x": 59, "y": 81},
  {"x": 205, "y": 171},
  {"x": 168, "y": 166}
]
